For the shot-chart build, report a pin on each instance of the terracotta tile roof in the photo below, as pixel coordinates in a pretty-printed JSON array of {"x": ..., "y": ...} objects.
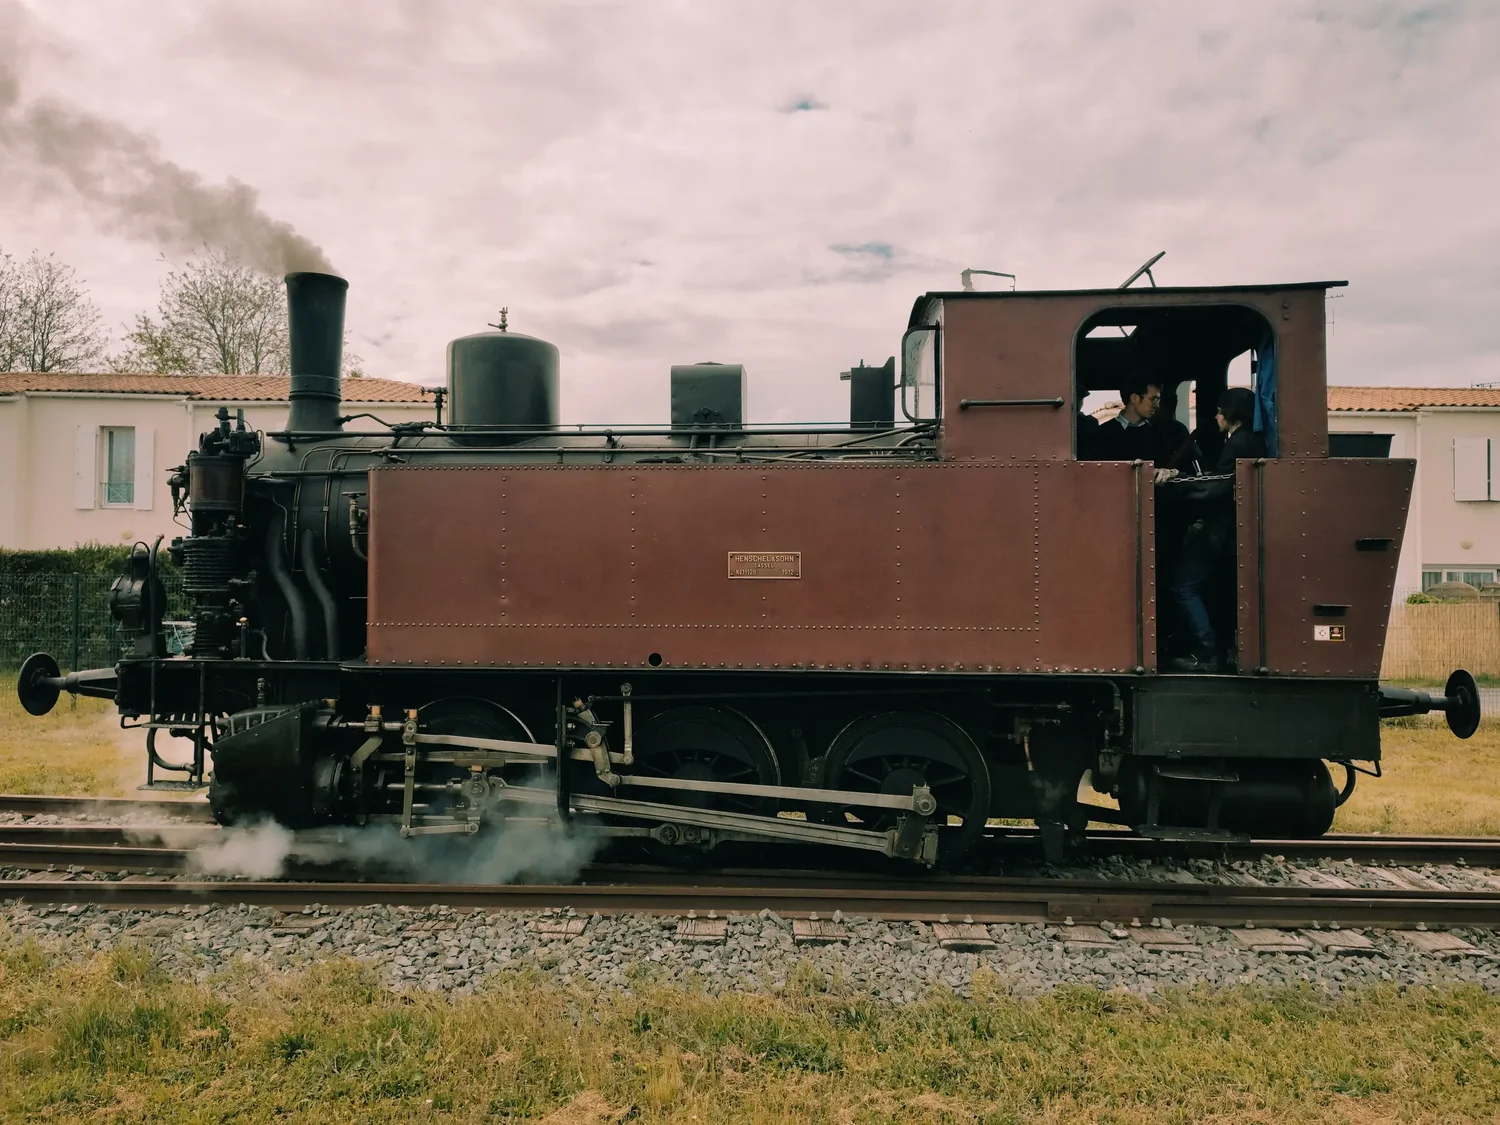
[
  {"x": 1409, "y": 399},
  {"x": 212, "y": 388}
]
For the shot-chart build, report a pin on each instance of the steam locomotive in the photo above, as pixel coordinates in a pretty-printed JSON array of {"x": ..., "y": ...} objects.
[{"x": 878, "y": 636}]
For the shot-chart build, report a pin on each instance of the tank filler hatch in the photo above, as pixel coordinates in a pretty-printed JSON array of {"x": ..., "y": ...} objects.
[{"x": 708, "y": 396}]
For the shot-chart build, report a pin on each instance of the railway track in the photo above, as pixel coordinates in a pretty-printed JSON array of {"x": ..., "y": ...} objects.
[
  {"x": 1000, "y": 844},
  {"x": 54, "y": 851},
  {"x": 979, "y": 900},
  {"x": 27, "y": 804}
]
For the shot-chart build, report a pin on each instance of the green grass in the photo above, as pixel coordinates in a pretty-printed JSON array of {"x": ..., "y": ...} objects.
[{"x": 112, "y": 1039}]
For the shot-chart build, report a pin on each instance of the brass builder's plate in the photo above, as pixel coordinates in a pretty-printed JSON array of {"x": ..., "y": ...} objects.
[{"x": 765, "y": 564}]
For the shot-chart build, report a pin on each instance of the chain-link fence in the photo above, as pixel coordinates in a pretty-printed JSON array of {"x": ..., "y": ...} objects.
[{"x": 68, "y": 616}]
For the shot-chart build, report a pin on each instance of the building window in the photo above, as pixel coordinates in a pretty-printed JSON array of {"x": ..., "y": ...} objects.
[
  {"x": 1431, "y": 578},
  {"x": 1471, "y": 469},
  {"x": 119, "y": 465},
  {"x": 1475, "y": 578}
]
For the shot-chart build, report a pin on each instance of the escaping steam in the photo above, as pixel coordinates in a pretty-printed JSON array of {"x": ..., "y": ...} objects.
[
  {"x": 507, "y": 851},
  {"x": 124, "y": 177}
]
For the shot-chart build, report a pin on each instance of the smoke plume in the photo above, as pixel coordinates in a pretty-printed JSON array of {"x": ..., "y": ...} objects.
[{"x": 123, "y": 177}]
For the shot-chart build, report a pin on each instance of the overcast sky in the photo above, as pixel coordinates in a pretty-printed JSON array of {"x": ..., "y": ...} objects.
[{"x": 774, "y": 183}]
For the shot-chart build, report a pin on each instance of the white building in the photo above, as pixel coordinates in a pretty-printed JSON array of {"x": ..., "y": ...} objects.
[
  {"x": 84, "y": 458},
  {"x": 1453, "y": 531}
]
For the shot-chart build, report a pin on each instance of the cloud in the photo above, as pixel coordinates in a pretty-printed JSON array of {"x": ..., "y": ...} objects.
[
  {"x": 454, "y": 159},
  {"x": 882, "y": 250}
]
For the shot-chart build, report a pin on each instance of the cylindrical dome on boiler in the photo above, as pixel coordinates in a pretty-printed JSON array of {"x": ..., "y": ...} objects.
[{"x": 501, "y": 381}]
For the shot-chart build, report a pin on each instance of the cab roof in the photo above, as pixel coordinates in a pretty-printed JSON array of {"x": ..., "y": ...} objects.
[{"x": 926, "y": 299}]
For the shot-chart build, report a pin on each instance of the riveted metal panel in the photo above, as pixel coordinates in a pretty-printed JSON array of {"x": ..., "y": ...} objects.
[
  {"x": 902, "y": 567},
  {"x": 1318, "y": 540},
  {"x": 1208, "y": 716},
  {"x": 1096, "y": 589}
]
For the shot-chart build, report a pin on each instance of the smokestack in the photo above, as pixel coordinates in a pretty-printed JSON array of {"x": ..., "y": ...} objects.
[{"x": 315, "y": 323}]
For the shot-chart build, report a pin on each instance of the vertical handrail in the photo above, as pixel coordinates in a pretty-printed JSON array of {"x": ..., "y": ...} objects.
[
  {"x": 1140, "y": 569},
  {"x": 1264, "y": 665}
]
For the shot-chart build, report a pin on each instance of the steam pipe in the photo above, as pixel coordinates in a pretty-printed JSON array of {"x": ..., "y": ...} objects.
[
  {"x": 295, "y": 607},
  {"x": 315, "y": 328},
  {"x": 156, "y": 760},
  {"x": 325, "y": 599}
]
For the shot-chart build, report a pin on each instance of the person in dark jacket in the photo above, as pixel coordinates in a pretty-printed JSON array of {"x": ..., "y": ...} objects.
[
  {"x": 1128, "y": 436},
  {"x": 1131, "y": 435},
  {"x": 1176, "y": 446},
  {"x": 1209, "y": 538},
  {"x": 1236, "y": 417}
]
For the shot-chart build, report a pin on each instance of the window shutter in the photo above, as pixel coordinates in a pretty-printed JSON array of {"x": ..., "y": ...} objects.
[
  {"x": 145, "y": 448},
  {"x": 85, "y": 476},
  {"x": 1471, "y": 468}
]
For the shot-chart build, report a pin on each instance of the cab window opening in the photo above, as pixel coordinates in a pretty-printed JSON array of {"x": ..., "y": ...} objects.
[{"x": 1191, "y": 356}]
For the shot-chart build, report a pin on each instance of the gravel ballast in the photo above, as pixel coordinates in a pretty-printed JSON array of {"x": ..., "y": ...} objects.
[{"x": 442, "y": 949}]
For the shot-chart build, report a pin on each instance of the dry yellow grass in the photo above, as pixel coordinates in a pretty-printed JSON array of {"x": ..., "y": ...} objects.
[
  {"x": 73, "y": 750},
  {"x": 1434, "y": 784}
]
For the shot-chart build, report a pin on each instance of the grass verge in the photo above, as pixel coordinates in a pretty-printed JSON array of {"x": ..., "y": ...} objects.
[
  {"x": 1433, "y": 784},
  {"x": 111, "y": 1038},
  {"x": 72, "y": 750}
]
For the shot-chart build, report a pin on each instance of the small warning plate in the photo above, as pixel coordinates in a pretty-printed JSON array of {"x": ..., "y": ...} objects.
[
  {"x": 1328, "y": 632},
  {"x": 963, "y": 937},
  {"x": 706, "y": 931},
  {"x": 1346, "y": 943},
  {"x": 1271, "y": 941}
]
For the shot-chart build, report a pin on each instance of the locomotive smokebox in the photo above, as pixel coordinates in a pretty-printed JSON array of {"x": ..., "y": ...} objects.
[
  {"x": 501, "y": 381},
  {"x": 315, "y": 321}
]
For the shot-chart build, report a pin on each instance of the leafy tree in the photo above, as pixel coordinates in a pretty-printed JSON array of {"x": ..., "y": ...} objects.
[{"x": 47, "y": 322}]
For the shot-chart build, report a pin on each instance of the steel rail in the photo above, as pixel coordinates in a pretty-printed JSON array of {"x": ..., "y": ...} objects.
[
  {"x": 1473, "y": 850},
  {"x": 32, "y": 805},
  {"x": 999, "y": 842},
  {"x": 998, "y": 901}
]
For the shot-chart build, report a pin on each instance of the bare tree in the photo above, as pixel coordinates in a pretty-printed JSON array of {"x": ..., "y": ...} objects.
[
  {"x": 47, "y": 322},
  {"x": 216, "y": 315},
  {"x": 10, "y": 314}
]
